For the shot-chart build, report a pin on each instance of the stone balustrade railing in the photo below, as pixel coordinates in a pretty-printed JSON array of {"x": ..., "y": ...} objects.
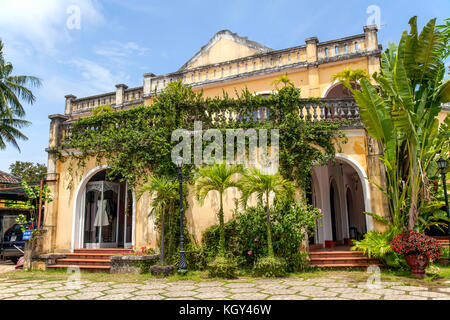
[
  {"x": 121, "y": 98},
  {"x": 310, "y": 110}
]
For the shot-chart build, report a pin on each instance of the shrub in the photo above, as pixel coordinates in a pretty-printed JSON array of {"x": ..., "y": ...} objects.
[
  {"x": 413, "y": 242},
  {"x": 223, "y": 267},
  {"x": 289, "y": 220},
  {"x": 270, "y": 267},
  {"x": 445, "y": 252},
  {"x": 298, "y": 262},
  {"x": 377, "y": 245},
  {"x": 246, "y": 234},
  {"x": 210, "y": 239},
  {"x": 196, "y": 257}
]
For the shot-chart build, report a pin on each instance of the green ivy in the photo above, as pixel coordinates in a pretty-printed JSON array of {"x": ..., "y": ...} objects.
[{"x": 137, "y": 142}]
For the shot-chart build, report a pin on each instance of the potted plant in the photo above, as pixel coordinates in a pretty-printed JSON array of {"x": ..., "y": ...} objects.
[{"x": 418, "y": 249}]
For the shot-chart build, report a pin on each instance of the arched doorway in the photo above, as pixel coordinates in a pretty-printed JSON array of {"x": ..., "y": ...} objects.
[
  {"x": 343, "y": 198},
  {"x": 335, "y": 207},
  {"x": 104, "y": 212}
]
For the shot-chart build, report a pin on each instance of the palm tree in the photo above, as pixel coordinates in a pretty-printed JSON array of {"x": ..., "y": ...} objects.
[
  {"x": 218, "y": 178},
  {"x": 352, "y": 76},
  {"x": 284, "y": 80},
  {"x": 13, "y": 88},
  {"x": 165, "y": 193},
  {"x": 9, "y": 130},
  {"x": 254, "y": 181},
  {"x": 402, "y": 115}
]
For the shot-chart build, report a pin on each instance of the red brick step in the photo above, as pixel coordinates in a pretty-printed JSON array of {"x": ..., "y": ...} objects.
[{"x": 89, "y": 259}]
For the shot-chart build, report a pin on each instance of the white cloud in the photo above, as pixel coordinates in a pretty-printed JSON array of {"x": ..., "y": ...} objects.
[
  {"x": 115, "y": 49},
  {"x": 98, "y": 77},
  {"x": 43, "y": 22}
]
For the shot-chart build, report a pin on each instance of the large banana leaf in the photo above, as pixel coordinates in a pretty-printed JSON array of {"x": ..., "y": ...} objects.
[{"x": 373, "y": 111}]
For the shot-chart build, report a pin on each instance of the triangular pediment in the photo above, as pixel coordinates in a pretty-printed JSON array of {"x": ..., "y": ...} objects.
[{"x": 224, "y": 46}]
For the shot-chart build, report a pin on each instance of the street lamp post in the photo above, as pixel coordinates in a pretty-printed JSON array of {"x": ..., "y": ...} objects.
[
  {"x": 182, "y": 266},
  {"x": 442, "y": 164}
]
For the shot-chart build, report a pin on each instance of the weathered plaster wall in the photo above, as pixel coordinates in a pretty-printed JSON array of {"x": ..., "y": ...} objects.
[{"x": 223, "y": 50}]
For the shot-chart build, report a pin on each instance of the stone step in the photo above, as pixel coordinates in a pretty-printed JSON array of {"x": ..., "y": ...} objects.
[
  {"x": 98, "y": 256},
  {"x": 337, "y": 254},
  {"x": 110, "y": 251},
  {"x": 93, "y": 268},
  {"x": 78, "y": 262},
  {"x": 344, "y": 265}
]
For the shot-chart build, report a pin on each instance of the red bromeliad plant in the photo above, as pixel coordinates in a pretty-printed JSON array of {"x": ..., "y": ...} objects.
[
  {"x": 414, "y": 243},
  {"x": 143, "y": 251}
]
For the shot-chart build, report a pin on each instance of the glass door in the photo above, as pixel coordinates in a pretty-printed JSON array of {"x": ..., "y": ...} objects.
[
  {"x": 102, "y": 202},
  {"x": 128, "y": 230}
]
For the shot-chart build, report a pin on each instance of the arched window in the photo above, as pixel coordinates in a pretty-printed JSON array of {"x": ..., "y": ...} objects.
[
  {"x": 336, "y": 50},
  {"x": 289, "y": 58},
  {"x": 262, "y": 63},
  {"x": 326, "y": 52},
  {"x": 356, "y": 46},
  {"x": 346, "y": 48},
  {"x": 222, "y": 73},
  {"x": 254, "y": 65}
]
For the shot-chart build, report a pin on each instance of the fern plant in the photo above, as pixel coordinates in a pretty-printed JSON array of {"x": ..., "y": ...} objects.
[{"x": 377, "y": 245}]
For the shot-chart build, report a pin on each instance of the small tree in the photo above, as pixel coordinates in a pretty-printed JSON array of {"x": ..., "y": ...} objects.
[
  {"x": 165, "y": 194},
  {"x": 256, "y": 182},
  {"x": 218, "y": 177},
  {"x": 34, "y": 194},
  {"x": 28, "y": 171}
]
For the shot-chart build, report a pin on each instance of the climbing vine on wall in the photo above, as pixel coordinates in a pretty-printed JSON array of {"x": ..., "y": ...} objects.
[{"x": 137, "y": 141}]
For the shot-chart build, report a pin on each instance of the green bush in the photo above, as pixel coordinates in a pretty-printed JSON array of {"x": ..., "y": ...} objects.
[
  {"x": 223, "y": 267},
  {"x": 196, "y": 257},
  {"x": 445, "y": 252},
  {"x": 377, "y": 245},
  {"x": 289, "y": 220},
  {"x": 246, "y": 234},
  {"x": 298, "y": 262},
  {"x": 270, "y": 267},
  {"x": 210, "y": 240}
]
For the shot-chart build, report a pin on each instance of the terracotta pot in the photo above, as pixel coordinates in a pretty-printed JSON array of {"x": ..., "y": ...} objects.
[
  {"x": 417, "y": 263},
  {"x": 329, "y": 243}
]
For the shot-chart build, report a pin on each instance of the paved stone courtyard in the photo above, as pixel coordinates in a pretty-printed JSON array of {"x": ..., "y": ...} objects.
[{"x": 331, "y": 288}]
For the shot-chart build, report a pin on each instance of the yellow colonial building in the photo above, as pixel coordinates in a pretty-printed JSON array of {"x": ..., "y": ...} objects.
[{"x": 227, "y": 62}]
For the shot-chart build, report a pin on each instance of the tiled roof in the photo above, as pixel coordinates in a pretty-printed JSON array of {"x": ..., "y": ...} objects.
[{"x": 8, "y": 178}]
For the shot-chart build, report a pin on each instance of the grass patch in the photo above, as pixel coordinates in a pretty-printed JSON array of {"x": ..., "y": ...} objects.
[{"x": 436, "y": 275}]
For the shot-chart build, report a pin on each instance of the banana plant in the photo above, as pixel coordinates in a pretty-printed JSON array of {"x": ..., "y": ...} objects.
[{"x": 400, "y": 112}]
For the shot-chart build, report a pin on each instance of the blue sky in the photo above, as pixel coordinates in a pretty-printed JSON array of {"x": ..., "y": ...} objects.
[{"x": 118, "y": 41}]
